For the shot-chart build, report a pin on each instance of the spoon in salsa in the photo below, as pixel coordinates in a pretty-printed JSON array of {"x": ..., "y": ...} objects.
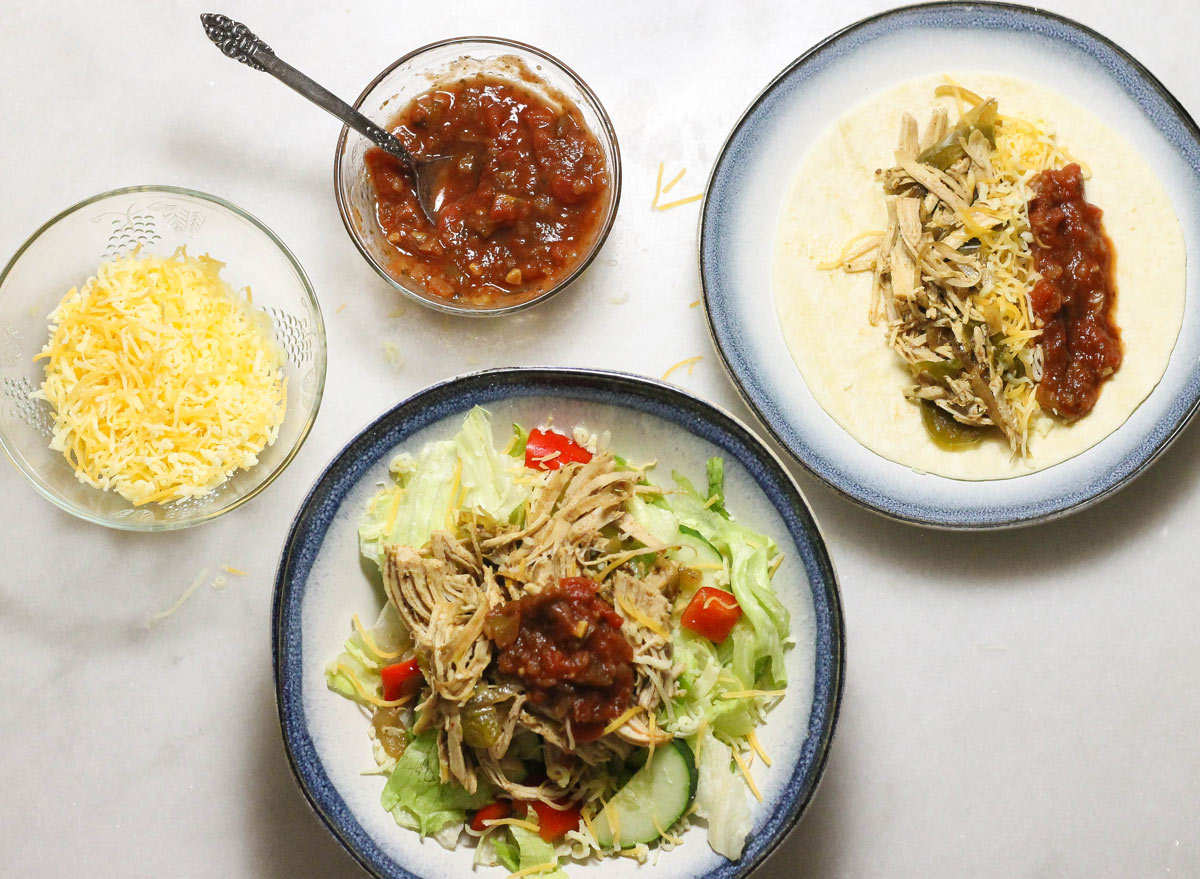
[{"x": 241, "y": 44}]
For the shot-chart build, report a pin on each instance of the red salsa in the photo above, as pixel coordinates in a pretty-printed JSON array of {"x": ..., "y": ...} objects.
[
  {"x": 521, "y": 203},
  {"x": 565, "y": 645},
  {"x": 1075, "y": 298}
]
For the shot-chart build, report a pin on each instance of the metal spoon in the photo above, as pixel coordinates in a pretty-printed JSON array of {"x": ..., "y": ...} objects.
[{"x": 241, "y": 44}]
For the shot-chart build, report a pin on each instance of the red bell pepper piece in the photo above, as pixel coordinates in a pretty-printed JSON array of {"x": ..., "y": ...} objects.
[
  {"x": 542, "y": 444},
  {"x": 400, "y": 679},
  {"x": 712, "y": 613},
  {"x": 554, "y": 823},
  {"x": 491, "y": 812}
]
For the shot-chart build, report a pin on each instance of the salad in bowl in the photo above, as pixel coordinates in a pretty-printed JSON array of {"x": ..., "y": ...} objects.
[{"x": 575, "y": 652}]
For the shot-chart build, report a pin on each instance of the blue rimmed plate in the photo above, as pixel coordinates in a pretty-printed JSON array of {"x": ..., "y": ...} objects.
[
  {"x": 745, "y": 197},
  {"x": 320, "y": 583}
]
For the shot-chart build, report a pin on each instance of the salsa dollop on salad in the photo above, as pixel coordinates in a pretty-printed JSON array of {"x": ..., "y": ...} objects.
[{"x": 572, "y": 659}]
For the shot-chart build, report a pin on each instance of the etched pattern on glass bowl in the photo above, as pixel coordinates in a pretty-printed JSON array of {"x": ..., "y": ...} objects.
[{"x": 66, "y": 251}]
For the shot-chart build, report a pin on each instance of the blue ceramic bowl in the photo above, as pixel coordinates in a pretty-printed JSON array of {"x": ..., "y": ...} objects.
[
  {"x": 320, "y": 583},
  {"x": 745, "y": 195}
]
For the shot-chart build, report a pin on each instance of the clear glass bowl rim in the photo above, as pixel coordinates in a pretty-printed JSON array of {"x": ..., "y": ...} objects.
[
  {"x": 318, "y": 393},
  {"x": 609, "y": 133}
]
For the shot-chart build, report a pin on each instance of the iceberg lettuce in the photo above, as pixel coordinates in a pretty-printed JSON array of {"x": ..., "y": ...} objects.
[
  {"x": 466, "y": 472},
  {"x": 416, "y": 797},
  {"x": 363, "y": 662},
  {"x": 756, "y": 646},
  {"x": 721, "y": 797},
  {"x": 535, "y": 851}
]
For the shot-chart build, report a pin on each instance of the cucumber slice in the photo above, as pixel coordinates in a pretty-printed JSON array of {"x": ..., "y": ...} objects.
[
  {"x": 709, "y": 552},
  {"x": 657, "y": 796}
]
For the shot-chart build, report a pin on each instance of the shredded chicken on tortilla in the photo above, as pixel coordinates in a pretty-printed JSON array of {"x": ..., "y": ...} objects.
[{"x": 952, "y": 269}]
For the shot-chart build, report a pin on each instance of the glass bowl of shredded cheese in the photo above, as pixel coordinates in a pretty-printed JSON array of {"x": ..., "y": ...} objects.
[{"x": 162, "y": 358}]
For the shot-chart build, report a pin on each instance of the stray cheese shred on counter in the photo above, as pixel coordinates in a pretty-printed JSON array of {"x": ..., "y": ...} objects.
[{"x": 163, "y": 382}]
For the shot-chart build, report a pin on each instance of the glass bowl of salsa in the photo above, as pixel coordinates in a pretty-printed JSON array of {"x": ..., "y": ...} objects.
[{"x": 527, "y": 199}]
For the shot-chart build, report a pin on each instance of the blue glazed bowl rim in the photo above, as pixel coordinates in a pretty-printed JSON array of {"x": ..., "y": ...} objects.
[
  {"x": 713, "y": 424},
  {"x": 879, "y": 502}
]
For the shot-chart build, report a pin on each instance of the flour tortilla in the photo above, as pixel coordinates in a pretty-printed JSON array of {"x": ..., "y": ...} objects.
[{"x": 845, "y": 360}]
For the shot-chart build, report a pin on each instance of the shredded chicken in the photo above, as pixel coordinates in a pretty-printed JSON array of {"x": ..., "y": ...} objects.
[
  {"x": 929, "y": 267},
  {"x": 575, "y": 524}
]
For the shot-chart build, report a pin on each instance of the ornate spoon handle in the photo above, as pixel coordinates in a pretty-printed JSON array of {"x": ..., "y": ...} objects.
[{"x": 241, "y": 44}]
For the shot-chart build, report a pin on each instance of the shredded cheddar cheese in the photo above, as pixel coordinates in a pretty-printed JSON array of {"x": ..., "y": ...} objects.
[
  {"x": 752, "y": 694},
  {"x": 370, "y": 642},
  {"x": 591, "y": 828},
  {"x": 512, "y": 822},
  {"x": 455, "y": 488},
  {"x": 614, "y": 823},
  {"x": 752, "y": 738},
  {"x": 660, "y": 190},
  {"x": 700, "y": 731},
  {"x": 642, "y": 620},
  {"x": 616, "y": 560},
  {"x": 1024, "y": 148},
  {"x": 673, "y": 840},
  {"x": 536, "y": 868},
  {"x": 395, "y": 510},
  {"x": 617, "y": 722},
  {"x": 179, "y": 602},
  {"x": 689, "y": 362},
  {"x": 346, "y": 670},
  {"x": 774, "y": 564},
  {"x": 163, "y": 383},
  {"x": 745, "y": 770}
]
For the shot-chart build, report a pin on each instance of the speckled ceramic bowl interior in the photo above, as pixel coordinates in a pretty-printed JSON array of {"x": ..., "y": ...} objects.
[
  {"x": 745, "y": 196},
  {"x": 321, "y": 582}
]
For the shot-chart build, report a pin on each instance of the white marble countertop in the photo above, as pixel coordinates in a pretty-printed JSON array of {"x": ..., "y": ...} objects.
[{"x": 1016, "y": 704}]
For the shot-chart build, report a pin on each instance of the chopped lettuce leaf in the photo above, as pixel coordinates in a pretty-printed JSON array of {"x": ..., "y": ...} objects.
[
  {"x": 519, "y": 441},
  {"x": 715, "y": 469},
  {"x": 721, "y": 797},
  {"x": 702, "y": 680},
  {"x": 363, "y": 662},
  {"x": 416, "y": 797},
  {"x": 745, "y": 661},
  {"x": 389, "y": 632},
  {"x": 357, "y": 660},
  {"x": 448, "y": 836},
  {"x": 487, "y": 473},
  {"x": 758, "y": 640},
  {"x": 495, "y": 848},
  {"x": 410, "y": 512},
  {"x": 338, "y": 681},
  {"x": 507, "y": 852},
  {"x": 535, "y": 851},
  {"x": 467, "y": 472}
]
